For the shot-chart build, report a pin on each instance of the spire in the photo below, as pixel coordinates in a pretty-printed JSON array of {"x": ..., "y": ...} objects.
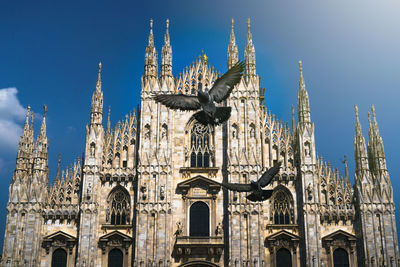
[
  {"x": 233, "y": 57},
  {"x": 98, "y": 83},
  {"x": 151, "y": 36},
  {"x": 26, "y": 125},
  {"x": 109, "y": 121},
  {"x": 43, "y": 127},
  {"x": 346, "y": 168},
  {"x": 360, "y": 149},
  {"x": 376, "y": 153},
  {"x": 302, "y": 98},
  {"x": 150, "y": 63},
  {"x": 41, "y": 148},
  {"x": 96, "y": 112},
  {"x": 293, "y": 121},
  {"x": 249, "y": 56},
  {"x": 58, "y": 168},
  {"x": 25, "y": 145},
  {"x": 166, "y": 59}
]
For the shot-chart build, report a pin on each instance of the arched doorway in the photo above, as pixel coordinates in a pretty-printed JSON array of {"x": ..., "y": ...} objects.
[
  {"x": 198, "y": 264},
  {"x": 283, "y": 258},
  {"x": 340, "y": 258},
  {"x": 59, "y": 258},
  {"x": 199, "y": 219},
  {"x": 115, "y": 258}
]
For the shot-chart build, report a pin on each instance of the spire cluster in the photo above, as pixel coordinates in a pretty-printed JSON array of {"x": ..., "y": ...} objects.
[{"x": 31, "y": 172}]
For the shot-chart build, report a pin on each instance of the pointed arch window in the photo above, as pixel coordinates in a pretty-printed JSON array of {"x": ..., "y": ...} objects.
[
  {"x": 200, "y": 146},
  {"x": 118, "y": 212},
  {"x": 282, "y": 207}
]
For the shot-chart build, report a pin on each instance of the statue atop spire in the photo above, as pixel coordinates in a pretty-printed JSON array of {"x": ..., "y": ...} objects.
[
  {"x": 302, "y": 85},
  {"x": 233, "y": 56},
  {"x": 166, "y": 59},
  {"x": 43, "y": 127},
  {"x": 150, "y": 64},
  {"x": 108, "y": 131},
  {"x": 96, "y": 112},
  {"x": 249, "y": 56},
  {"x": 151, "y": 36},
  {"x": 302, "y": 98}
]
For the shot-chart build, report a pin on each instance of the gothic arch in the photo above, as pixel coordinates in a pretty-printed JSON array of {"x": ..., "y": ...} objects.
[
  {"x": 119, "y": 206},
  {"x": 200, "y": 141},
  {"x": 282, "y": 206},
  {"x": 198, "y": 263}
]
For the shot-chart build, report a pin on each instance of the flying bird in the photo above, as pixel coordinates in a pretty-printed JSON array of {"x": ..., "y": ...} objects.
[
  {"x": 258, "y": 194},
  {"x": 205, "y": 100}
]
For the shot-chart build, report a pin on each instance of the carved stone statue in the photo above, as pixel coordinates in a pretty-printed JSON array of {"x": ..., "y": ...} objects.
[
  {"x": 218, "y": 230},
  {"x": 310, "y": 190},
  {"x": 179, "y": 229}
]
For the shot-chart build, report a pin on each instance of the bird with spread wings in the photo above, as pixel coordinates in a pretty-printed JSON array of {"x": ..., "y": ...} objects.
[
  {"x": 206, "y": 100},
  {"x": 258, "y": 194}
]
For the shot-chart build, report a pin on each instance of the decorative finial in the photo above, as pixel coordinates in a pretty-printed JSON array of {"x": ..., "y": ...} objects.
[
  {"x": 232, "y": 21},
  {"x": 369, "y": 118},
  {"x": 32, "y": 120},
  {"x": 204, "y": 57},
  {"x": 167, "y": 24},
  {"x": 356, "y": 110},
  {"x": 45, "y": 111},
  {"x": 58, "y": 167},
  {"x": 151, "y": 24},
  {"x": 28, "y": 110},
  {"x": 373, "y": 112},
  {"x": 99, "y": 68},
  {"x": 301, "y": 67},
  {"x": 248, "y": 24}
]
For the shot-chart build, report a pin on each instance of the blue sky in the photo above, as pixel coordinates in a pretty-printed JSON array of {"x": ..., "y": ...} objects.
[{"x": 49, "y": 53}]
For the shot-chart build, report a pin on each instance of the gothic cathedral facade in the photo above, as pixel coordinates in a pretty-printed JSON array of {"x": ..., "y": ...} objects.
[{"x": 147, "y": 192}]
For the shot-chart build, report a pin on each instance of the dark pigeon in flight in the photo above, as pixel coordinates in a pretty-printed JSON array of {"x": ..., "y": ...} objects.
[
  {"x": 258, "y": 194},
  {"x": 205, "y": 100}
]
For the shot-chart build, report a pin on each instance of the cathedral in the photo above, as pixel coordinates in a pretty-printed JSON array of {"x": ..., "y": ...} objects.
[{"x": 147, "y": 192}]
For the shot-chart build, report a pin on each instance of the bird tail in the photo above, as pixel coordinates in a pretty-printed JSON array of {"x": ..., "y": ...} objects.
[
  {"x": 222, "y": 114},
  {"x": 203, "y": 118}
]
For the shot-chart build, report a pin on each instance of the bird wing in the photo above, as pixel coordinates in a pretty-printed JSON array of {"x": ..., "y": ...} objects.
[
  {"x": 266, "y": 194},
  {"x": 223, "y": 86},
  {"x": 178, "y": 101},
  {"x": 267, "y": 177},
  {"x": 237, "y": 187}
]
